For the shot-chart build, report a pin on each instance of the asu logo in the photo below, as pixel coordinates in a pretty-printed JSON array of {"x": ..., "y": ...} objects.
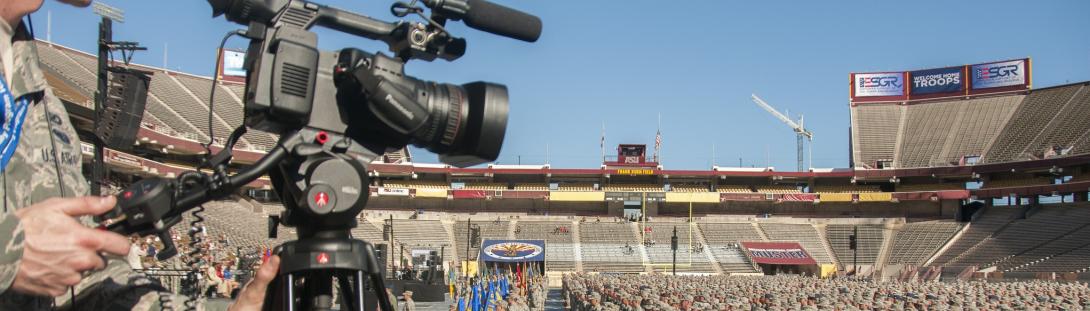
[{"x": 513, "y": 250}]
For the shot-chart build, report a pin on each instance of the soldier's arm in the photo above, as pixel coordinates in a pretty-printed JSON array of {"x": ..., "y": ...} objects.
[{"x": 11, "y": 250}]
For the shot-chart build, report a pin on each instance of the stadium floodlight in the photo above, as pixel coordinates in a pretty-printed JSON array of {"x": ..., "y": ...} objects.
[
  {"x": 109, "y": 12},
  {"x": 800, "y": 130}
]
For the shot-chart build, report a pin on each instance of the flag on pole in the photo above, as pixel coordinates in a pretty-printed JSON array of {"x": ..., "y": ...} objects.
[
  {"x": 602, "y": 143},
  {"x": 658, "y": 138}
]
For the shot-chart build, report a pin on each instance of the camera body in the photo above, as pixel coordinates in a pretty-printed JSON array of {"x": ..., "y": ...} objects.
[{"x": 365, "y": 102}]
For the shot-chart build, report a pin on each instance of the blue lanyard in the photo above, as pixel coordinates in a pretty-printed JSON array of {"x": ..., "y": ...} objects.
[{"x": 13, "y": 112}]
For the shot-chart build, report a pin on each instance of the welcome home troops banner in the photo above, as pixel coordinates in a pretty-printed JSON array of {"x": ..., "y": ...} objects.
[{"x": 949, "y": 80}]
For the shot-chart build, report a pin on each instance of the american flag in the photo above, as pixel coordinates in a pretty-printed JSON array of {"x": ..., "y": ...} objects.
[
  {"x": 658, "y": 143},
  {"x": 658, "y": 139}
]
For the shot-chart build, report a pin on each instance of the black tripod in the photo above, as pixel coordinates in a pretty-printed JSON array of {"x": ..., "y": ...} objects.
[
  {"x": 308, "y": 268},
  {"x": 323, "y": 193}
]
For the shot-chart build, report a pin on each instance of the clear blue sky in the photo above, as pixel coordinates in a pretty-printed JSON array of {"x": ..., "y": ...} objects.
[{"x": 695, "y": 63}]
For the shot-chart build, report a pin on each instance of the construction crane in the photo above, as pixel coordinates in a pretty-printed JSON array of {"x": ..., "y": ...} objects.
[{"x": 800, "y": 131}]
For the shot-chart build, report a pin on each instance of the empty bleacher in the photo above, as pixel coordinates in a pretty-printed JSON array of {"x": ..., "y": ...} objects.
[
  {"x": 1016, "y": 182},
  {"x": 987, "y": 223},
  {"x": 876, "y": 128},
  {"x": 1040, "y": 227},
  {"x": 1032, "y": 116},
  {"x": 603, "y": 246},
  {"x": 1069, "y": 125},
  {"x": 733, "y": 189},
  {"x": 574, "y": 187},
  {"x": 661, "y": 256},
  {"x": 688, "y": 188},
  {"x": 422, "y": 235},
  {"x": 778, "y": 189},
  {"x": 927, "y": 126},
  {"x": 417, "y": 184},
  {"x": 723, "y": 241},
  {"x": 930, "y": 187},
  {"x": 805, "y": 234},
  {"x": 869, "y": 243},
  {"x": 916, "y": 242},
  {"x": 490, "y": 229},
  {"x": 979, "y": 123},
  {"x": 1064, "y": 254},
  {"x": 633, "y": 187},
  {"x": 559, "y": 244},
  {"x": 846, "y": 189},
  {"x": 532, "y": 187}
]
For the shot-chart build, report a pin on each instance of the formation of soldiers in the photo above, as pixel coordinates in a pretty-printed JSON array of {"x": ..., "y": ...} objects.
[
  {"x": 662, "y": 292},
  {"x": 501, "y": 293}
]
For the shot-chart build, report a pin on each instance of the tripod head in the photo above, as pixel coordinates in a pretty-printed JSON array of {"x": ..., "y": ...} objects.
[{"x": 334, "y": 112}]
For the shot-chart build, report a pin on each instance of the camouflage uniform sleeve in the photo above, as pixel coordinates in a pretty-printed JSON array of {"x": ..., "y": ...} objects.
[
  {"x": 11, "y": 237},
  {"x": 118, "y": 287}
]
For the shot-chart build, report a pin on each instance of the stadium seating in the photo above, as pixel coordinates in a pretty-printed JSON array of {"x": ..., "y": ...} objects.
[
  {"x": 228, "y": 108},
  {"x": 417, "y": 184},
  {"x": 723, "y": 241},
  {"x": 876, "y": 128},
  {"x": 660, "y": 255},
  {"x": 605, "y": 247},
  {"x": 559, "y": 244},
  {"x": 930, "y": 187},
  {"x": 485, "y": 186},
  {"x": 532, "y": 187},
  {"x": 979, "y": 122},
  {"x": 1043, "y": 226},
  {"x": 423, "y": 235},
  {"x": 805, "y": 234},
  {"x": 490, "y": 229},
  {"x": 733, "y": 189},
  {"x": 1066, "y": 253},
  {"x": 633, "y": 187},
  {"x": 846, "y": 189},
  {"x": 574, "y": 187},
  {"x": 1002, "y": 183},
  {"x": 915, "y": 242},
  {"x": 869, "y": 243},
  {"x": 941, "y": 133},
  {"x": 1069, "y": 125},
  {"x": 987, "y": 223},
  {"x": 688, "y": 188},
  {"x": 778, "y": 189},
  {"x": 1034, "y": 115},
  {"x": 926, "y": 129}
]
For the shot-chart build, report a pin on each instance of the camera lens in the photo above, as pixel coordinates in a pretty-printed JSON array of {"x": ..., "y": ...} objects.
[{"x": 467, "y": 123}]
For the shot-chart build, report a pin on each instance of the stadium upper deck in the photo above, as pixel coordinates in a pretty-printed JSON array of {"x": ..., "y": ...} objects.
[{"x": 1006, "y": 134}]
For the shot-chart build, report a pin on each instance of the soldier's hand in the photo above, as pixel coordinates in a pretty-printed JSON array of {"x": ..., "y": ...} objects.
[
  {"x": 252, "y": 296},
  {"x": 57, "y": 248}
]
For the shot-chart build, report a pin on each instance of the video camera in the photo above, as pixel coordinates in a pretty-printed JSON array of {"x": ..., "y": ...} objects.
[{"x": 335, "y": 111}]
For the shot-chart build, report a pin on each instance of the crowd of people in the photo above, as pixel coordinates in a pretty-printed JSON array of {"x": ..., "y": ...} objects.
[
  {"x": 514, "y": 291},
  {"x": 221, "y": 267},
  {"x": 663, "y": 292}
]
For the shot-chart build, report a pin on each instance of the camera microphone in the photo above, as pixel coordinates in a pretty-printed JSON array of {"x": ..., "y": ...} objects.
[
  {"x": 490, "y": 17},
  {"x": 501, "y": 20}
]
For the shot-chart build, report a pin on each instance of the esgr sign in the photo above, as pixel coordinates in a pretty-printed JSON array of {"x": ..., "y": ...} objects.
[
  {"x": 935, "y": 81},
  {"x": 878, "y": 84},
  {"x": 999, "y": 74}
]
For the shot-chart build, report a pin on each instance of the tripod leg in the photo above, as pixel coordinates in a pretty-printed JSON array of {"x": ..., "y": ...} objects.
[{"x": 347, "y": 292}]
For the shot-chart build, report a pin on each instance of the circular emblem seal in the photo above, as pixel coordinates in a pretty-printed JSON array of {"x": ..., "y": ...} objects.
[{"x": 513, "y": 250}]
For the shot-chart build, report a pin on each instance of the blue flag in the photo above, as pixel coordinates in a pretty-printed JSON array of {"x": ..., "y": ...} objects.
[{"x": 476, "y": 297}]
